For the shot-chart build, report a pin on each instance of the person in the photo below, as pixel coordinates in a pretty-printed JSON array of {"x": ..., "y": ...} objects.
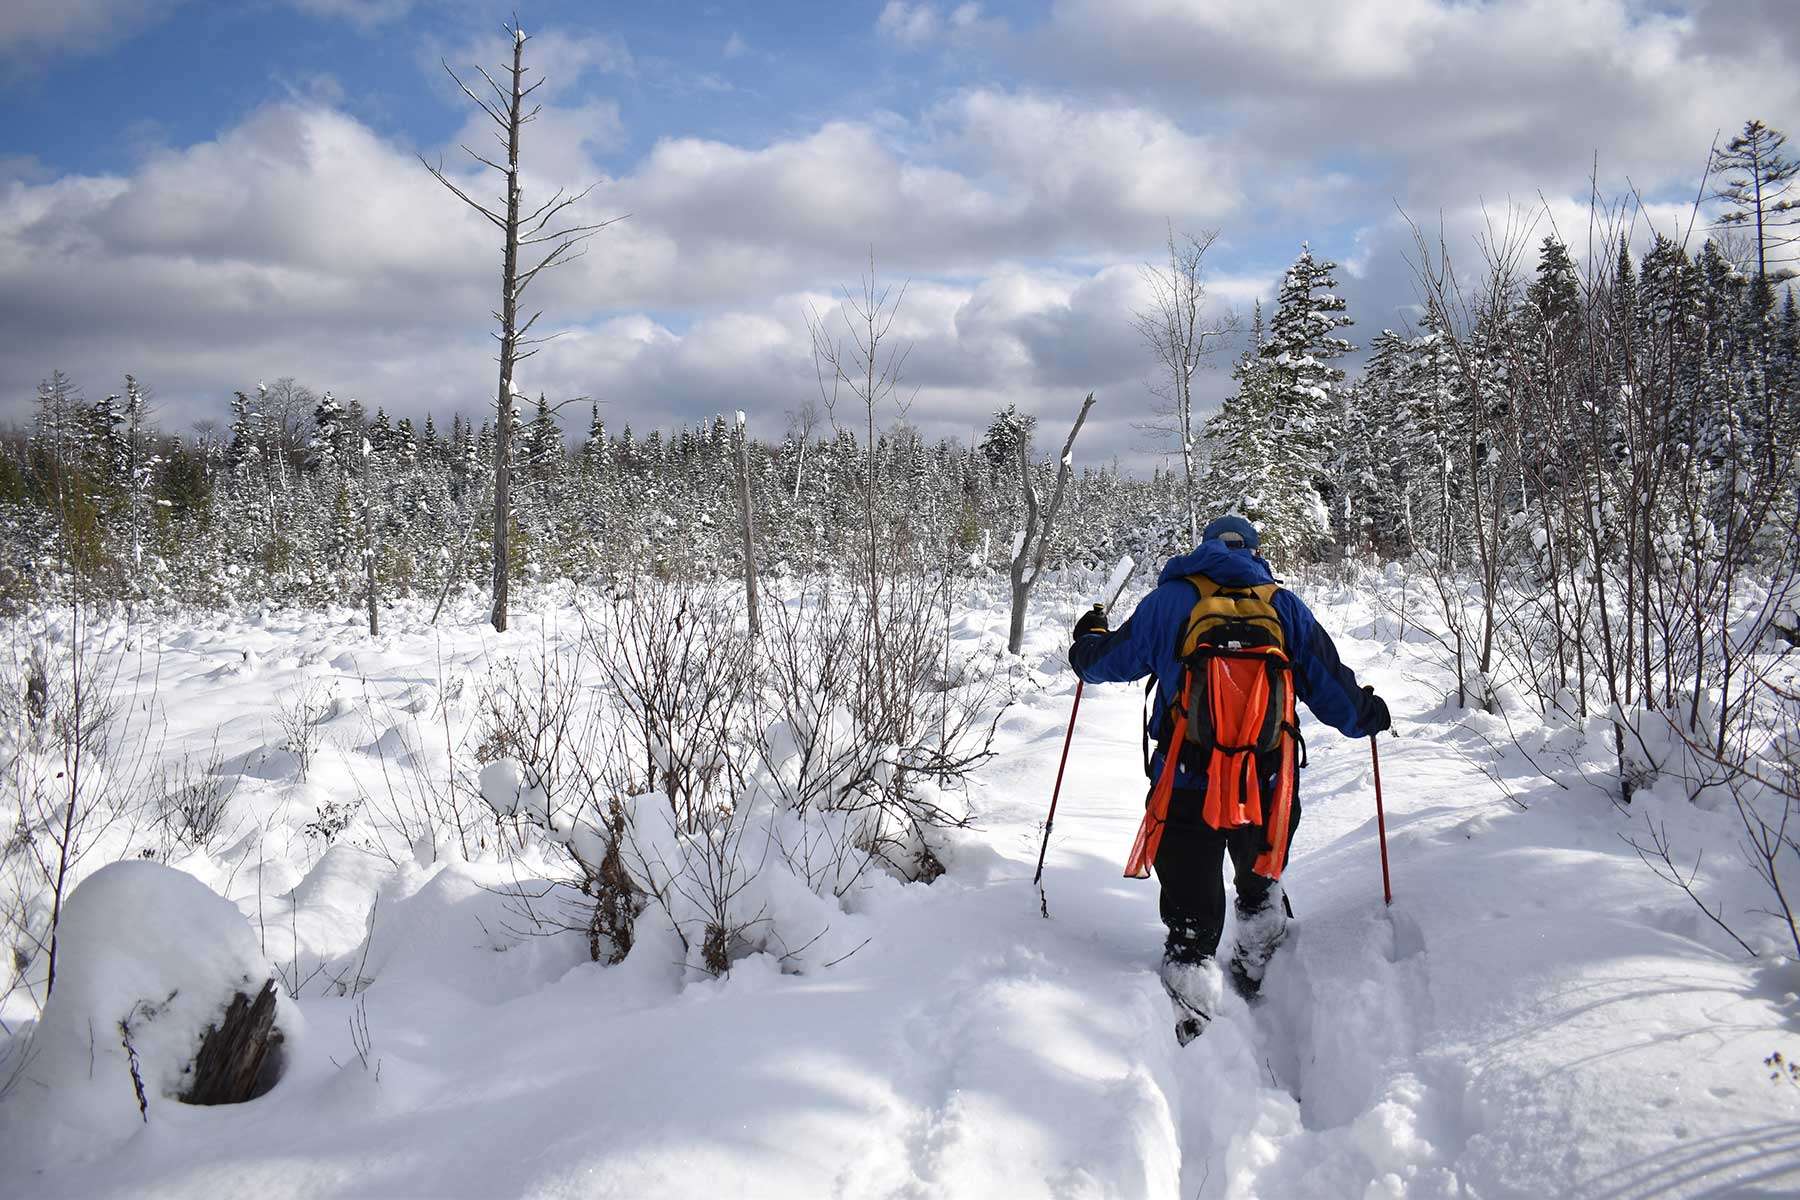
[{"x": 1189, "y": 860}]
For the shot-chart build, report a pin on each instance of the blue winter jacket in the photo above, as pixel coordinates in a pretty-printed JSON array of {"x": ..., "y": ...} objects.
[{"x": 1146, "y": 644}]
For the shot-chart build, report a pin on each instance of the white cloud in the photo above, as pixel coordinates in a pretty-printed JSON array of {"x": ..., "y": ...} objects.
[
  {"x": 1454, "y": 99},
  {"x": 33, "y": 29},
  {"x": 561, "y": 61},
  {"x": 301, "y": 242},
  {"x": 988, "y": 176},
  {"x": 735, "y": 46},
  {"x": 365, "y": 14},
  {"x": 908, "y": 24},
  {"x": 1131, "y": 161}
]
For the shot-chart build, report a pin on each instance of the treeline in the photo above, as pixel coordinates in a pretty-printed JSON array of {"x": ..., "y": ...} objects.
[{"x": 300, "y": 493}]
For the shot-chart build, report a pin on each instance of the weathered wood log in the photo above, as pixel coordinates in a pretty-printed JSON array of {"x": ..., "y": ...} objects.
[{"x": 231, "y": 1059}]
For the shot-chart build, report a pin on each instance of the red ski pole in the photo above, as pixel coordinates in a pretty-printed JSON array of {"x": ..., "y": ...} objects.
[
  {"x": 1387, "y": 887},
  {"x": 1116, "y": 585},
  {"x": 1055, "y": 793}
]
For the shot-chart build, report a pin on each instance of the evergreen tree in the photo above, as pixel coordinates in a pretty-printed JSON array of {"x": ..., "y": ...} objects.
[
  {"x": 543, "y": 442},
  {"x": 594, "y": 449},
  {"x": 105, "y": 446},
  {"x": 242, "y": 449},
  {"x": 327, "y": 451},
  {"x": 1301, "y": 345},
  {"x": 1785, "y": 372},
  {"x": 1755, "y": 178},
  {"x": 405, "y": 444},
  {"x": 1553, "y": 304},
  {"x": 380, "y": 432},
  {"x": 1000, "y": 444},
  {"x": 1240, "y": 445},
  {"x": 1627, "y": 319}
]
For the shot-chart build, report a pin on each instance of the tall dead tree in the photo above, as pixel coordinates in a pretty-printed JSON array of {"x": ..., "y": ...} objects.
[
  {"x": 528, "y": 233},
  {"x": 1040, "y": 522},
  {"x": 1172, "y": 326},
  {"x": 747, "y": 525},
  {"x": 371, "y": 585}
]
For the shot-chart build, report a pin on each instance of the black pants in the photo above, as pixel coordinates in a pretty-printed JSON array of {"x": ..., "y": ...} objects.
[{"x": 1188, "y": 866}]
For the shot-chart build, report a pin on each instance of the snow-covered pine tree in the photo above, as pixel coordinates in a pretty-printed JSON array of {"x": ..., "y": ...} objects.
[
  {"x": 1240, "y": 444},
  {"x": 331, "y": 433},
  {"x": 1394, "y": 466},
  {"x": 380, "y": 432},
  {"x": 1302, "y": 343}
]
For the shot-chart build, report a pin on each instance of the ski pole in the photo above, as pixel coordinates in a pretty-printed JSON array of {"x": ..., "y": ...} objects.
[
  {"x": 1057, "y": 790},
  {"x": 1387, "y": 887},
  {"x": 1121, "y": 575}
]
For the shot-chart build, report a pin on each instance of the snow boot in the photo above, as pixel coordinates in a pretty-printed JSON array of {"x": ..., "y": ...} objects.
[
  {"x": 1196, "y": 989},
  {"x": 1259, "y": 932}
]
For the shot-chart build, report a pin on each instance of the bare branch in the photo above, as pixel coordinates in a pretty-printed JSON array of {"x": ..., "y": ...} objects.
[
  {"x": 437, "y": 173},
  {"x": 496, "y": 115}
]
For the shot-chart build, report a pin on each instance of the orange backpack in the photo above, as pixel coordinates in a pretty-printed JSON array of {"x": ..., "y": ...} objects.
[{"x": 1236, "y": 703}]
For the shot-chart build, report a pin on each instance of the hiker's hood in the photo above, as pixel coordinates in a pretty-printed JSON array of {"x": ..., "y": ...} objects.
[{"x": 1219, "y": 563}]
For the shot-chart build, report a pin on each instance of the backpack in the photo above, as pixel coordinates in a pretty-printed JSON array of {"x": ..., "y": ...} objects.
[{"x": 1235, "y": 707}]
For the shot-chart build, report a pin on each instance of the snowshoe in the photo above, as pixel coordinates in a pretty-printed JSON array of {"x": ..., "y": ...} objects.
[
  {"x": 1260, "y": 933},
  {"x": 1242, "y": 983},
  {"x": 1195, "y": 989}
]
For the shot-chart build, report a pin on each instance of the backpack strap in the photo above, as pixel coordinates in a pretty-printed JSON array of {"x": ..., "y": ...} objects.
[{"x": 1144, "y": 726}]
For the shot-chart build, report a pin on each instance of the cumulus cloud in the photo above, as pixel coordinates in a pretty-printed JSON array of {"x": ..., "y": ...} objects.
[
  {"x": 1449, "y": 100},
  {"x": 32, "y": 29},
  {"x": 301, "y": 242},
  {"x": 995, "y": 176}
]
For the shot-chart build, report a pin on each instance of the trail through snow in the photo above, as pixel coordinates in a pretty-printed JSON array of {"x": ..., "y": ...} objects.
[{"x": 1535, "y": 1016}]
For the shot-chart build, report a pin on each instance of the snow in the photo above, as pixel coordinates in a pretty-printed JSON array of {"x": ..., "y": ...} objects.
[
  {"x": 142, "y": 948},
  {"x": 1536, "y": 1015}
]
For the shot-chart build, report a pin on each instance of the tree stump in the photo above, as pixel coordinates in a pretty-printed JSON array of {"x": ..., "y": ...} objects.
[{"x": 229, "y": 1067}]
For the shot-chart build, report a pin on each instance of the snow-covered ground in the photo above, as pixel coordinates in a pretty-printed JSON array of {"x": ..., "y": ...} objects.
[{"x": 1536, "y": 1015}]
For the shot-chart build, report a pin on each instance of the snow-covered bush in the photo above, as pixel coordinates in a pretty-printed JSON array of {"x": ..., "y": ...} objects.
[
  {"x": 739, "y": 789},
  {"x": 193, "y": 800}
]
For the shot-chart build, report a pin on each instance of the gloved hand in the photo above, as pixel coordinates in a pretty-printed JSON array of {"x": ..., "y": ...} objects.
[
  {"x": 1092, "y": 621},
  {"x": 1375, "y": 717}
]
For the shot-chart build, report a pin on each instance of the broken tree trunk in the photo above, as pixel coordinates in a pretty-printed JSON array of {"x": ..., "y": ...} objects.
[{"x": 231, "y": 1059}]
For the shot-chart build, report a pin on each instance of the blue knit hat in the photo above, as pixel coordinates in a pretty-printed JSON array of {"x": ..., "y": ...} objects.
[{"x": 1229, "y": 524}]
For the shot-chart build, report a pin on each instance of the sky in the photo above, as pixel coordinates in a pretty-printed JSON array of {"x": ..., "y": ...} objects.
[{"x": 209, "y": 195}]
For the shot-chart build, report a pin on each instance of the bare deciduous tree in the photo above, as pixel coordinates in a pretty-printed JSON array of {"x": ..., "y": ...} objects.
[
  {"x": 1177, "y": 331},
  {"x": 869, "y": 367},
  {"x": 535, "y": 232}
]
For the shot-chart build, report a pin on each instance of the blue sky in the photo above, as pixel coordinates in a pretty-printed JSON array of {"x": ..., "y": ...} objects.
[{"x": 211, "y": 194}]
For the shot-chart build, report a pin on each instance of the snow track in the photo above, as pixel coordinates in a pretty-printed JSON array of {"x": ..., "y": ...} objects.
[
  {"x": 1510, "y": 1027},
  {"x": 1536, "y": 1016}
]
